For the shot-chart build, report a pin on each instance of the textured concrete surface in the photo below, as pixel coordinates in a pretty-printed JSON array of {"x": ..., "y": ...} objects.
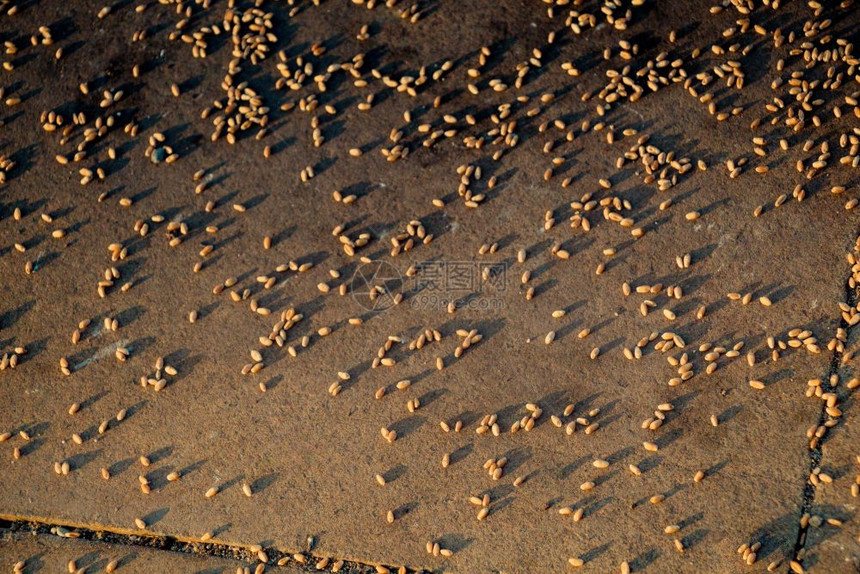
[
  {"x": 40, "y": 553},
  {"x": 309, "y": 457}
]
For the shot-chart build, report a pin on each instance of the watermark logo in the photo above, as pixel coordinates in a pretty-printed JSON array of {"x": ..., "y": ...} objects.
[
  {"x": 434, "y": 285},
  {"x": 375, "y": 284}
]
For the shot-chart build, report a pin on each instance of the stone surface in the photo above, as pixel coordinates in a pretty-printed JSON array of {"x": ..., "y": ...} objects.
[
  {"x": 41, "y": 553},
  {"x": 310, "y": 458}
]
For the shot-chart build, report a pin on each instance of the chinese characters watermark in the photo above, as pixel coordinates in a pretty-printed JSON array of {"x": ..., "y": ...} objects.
[{"x": 472, "y": 285}]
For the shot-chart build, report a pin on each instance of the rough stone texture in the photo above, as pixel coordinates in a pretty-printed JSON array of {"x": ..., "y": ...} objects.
[
  {"x": 310, "y": 458},
  {"x": 42, "y": 553}
]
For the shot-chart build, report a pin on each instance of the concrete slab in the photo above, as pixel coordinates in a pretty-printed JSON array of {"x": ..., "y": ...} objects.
[
  {"x": 308, "y": 457},
  {"x": 40, "y": 553}
]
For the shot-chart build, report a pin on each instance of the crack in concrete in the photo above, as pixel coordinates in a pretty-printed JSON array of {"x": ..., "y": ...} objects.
[
  {"x": 237, "y": 552},
  {"x": 815, "y": 453}
]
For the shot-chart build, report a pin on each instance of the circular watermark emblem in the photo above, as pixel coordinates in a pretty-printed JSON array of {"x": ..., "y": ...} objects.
[{"x": 375, "y": 284}]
